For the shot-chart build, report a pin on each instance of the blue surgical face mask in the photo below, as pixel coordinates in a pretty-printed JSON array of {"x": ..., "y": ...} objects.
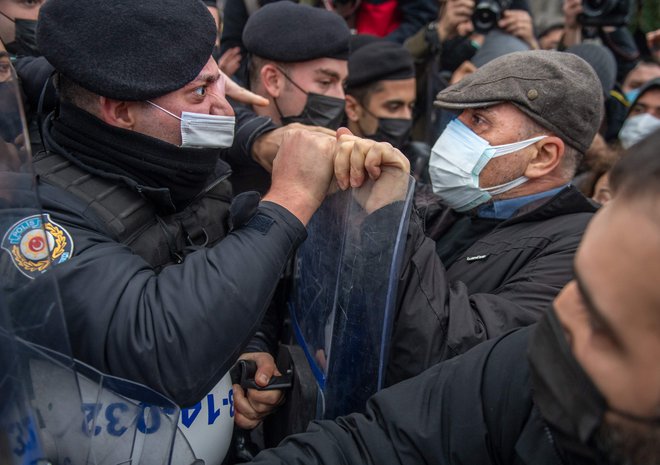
[
  {"x": 457, "y": 159},
  {"x": 199, "y": 130},
  {"x": 632, "y": 95}
]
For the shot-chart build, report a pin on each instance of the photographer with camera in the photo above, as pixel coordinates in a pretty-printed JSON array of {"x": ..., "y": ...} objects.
[
  {"x": 444, "y": 45},
  {"x": 605, "y": 19}
]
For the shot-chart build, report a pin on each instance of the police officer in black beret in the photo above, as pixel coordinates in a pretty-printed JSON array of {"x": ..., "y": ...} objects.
[
  {"x": 298, "y": 61},
  {"x": 163, "y": 279},
  {"x": 380, "y": 97}
]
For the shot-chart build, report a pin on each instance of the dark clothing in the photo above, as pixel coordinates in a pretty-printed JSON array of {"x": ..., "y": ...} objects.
[
  {"x": 175, "y": 322},
  {"x": 418, "y": 153},
  {"x": 34, "y": 73},
  {"x": 474, "y": 409},
  {"x": 247, "y": 174},
  {"x": 503, "y": 280}
]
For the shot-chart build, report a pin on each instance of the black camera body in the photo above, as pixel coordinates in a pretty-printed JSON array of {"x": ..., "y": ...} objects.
[
  {"x": 487, "y": 13},
  {"x": 605, "y": 12}
]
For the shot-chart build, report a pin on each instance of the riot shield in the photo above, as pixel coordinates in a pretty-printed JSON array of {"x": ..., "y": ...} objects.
[
  {"x": 344, "y": 291},
  {"x": 52, "y": 408}
]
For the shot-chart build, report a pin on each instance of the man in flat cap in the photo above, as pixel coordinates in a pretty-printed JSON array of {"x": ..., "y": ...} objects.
[
  {"x": 163, "y": 277},
  {"x": 581, "y": 387},
  {"x": 496, "y": 238},
  {"x": 298, "y": 61},
  {"x": 380, "y": 96}
]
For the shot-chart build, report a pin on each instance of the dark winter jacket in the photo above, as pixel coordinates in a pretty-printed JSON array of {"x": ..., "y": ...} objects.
[
  {"x": 473, "y": 409},
  {"x": 176, "y": 327},
  {"x": 502, "y": 281}
]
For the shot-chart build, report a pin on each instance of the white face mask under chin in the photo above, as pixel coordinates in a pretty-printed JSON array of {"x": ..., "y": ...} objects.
[
  {"x": 458, "y": 157},
  {"x": 204, "y": 131}
]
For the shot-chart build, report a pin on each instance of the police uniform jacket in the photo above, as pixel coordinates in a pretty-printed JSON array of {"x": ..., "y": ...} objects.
[
  {"x": 165, "y": 298},
  {"x": 502, "y": 277}
]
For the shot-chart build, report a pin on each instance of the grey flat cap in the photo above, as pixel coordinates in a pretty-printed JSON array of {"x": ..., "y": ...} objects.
[{"x": 560, "y": 91}]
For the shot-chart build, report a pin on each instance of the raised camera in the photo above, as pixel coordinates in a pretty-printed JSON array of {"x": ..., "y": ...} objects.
[
  {"x": 604, "y": 12},
  {"x": 487, "y": 13}
]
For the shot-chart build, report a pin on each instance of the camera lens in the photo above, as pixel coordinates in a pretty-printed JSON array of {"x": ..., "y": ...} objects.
[{"x": 486, "y": 15}]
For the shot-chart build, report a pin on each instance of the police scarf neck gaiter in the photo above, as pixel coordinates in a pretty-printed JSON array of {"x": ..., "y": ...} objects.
[{"x": 150, "y": 162}]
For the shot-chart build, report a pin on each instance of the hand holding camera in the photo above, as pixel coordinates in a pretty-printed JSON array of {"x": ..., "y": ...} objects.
[{"x": 454, "y": 18}]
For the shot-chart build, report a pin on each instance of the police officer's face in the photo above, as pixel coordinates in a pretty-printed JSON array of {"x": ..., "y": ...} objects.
[
  {"x": 16, "y": 9},
  {"x": 325, "y": 76},
  {"x": 390, "y": 99},
  {"x": 611, "y": 315},
  {"x": 205, "y": 94}
]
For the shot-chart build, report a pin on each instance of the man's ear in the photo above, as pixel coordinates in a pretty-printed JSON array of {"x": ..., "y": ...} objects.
[
  {"x": 353, "y": 109},
  {"x": 272, "y": 80},
  {"x": 118, "y": 113},
  {"x": 548, "y": 157}
]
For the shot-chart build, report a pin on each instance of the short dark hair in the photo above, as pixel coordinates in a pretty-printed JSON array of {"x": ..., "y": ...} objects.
[
  {"x": 255, "y": 63},
  {"x": 363, "y": 93},
  {"x": 73, "y": 93},
  {"x": 637, "y": 174}
]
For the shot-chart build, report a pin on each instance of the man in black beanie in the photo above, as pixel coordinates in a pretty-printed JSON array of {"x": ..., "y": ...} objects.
[
  {"x": 163, "y": 278},
  {"x": 380, "y": 96},
  {"x": 298, "y": 61}
]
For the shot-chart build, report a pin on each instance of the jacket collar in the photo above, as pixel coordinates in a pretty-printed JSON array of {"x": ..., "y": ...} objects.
[{"x": 568, "y": 200}]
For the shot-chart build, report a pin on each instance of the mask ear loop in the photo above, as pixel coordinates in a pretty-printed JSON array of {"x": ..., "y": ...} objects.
[
  {"x": 286, "y": 76},
  {"x": 12, "y": 20}
]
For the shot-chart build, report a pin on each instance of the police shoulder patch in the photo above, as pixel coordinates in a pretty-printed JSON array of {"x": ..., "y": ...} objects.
[{"x": 35, "y": 243}]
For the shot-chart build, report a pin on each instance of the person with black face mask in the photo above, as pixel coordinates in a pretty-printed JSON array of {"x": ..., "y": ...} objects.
[
  {"x": 380, "y": 96},
  {"x": 582, "y": 386},
  {"x": 18, "y": 26},
  {"x": 298, "y": 61}
]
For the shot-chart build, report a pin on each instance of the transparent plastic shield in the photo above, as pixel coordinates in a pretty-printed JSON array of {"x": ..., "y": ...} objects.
[
  {"x": 52, "y": 408},
  {"x": 344, "y": 293},
  {"x": 126, "y": 422},
  {"x": 32, "y": 326}
]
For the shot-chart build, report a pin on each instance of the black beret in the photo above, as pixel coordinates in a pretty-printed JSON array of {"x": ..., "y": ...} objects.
[
  {"x": 379, "y": 61},
  {"x": 558, "y": 90},
  {"x": 360, "y": 40},
  {"x": 127, "y": 49},
  {"x": 289, "y": 32}
]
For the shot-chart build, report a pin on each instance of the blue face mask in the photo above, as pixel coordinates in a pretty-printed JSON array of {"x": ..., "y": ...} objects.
[
  {"x": 632, "y": 95},
  {"x": 457, "y": 159}
]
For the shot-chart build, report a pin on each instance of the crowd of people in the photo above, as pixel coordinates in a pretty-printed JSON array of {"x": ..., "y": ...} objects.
[{"x": 181, "y": 148}]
